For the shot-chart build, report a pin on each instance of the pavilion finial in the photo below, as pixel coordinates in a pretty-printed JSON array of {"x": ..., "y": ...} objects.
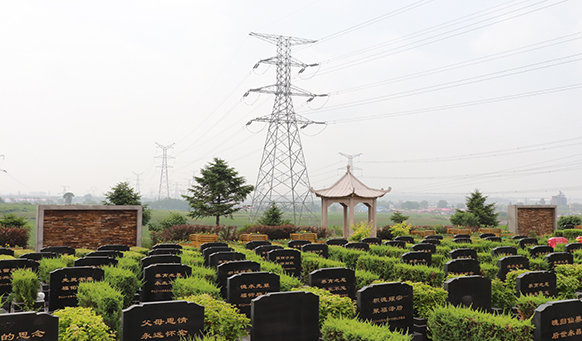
[{"x": 349, "y": 168}]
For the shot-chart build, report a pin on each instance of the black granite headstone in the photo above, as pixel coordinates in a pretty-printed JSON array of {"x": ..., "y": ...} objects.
[
  {"x": 262, "y": 250},
  {"x": 5, "y": 251},
  {"x": 559, "y": 258},
  {"x": 167, "y": 246},
  {"x": 463, "y": 241},
  {"x": 432, "y": 241},
  {"x": 485, "y": 235},
  {"x": 536, "y": 283},
  {"x": 29, "y": 326},
  {"x": 210, "y": 250},
  {"x": 158, "y": 280},
  {"x": 416, "y": 258},
  {"x": 160, "y": 259},
  {"x": 244, "y": 287},
  {"x": 396, "y": 243},
  {"x": 225, "y": 270},
  {"x": 371, "y": 241},
  {"x": 463, "y": 253},
  {"x": 339, "y": 281},
  {"x": 97, "y": 262},
  {"x": 358, "y": 246},
  {"x": 64, "y": 283},
  {"x": 407, "y": 239},
  {"x": 463, "y": 266},
  {"x": 572, "y": 247},
  {"x": 168, "y": 320},
  {"x": 7, "y": 266},
  {"x": 462, "y": 235},
  {"x": 424, "y": 247},
  {"x": 558, "y": 320},
  {"x": 434, "y": 236},
  {"x": 320, "y": 249},
  {"x": 105, "y": 253},
  {"x": 540, "y": 250},
  {"x": 524, "y": 243},
  {"x": 38, "y": 255},
  {"x": 387, "y": 303},
  {"x": 493, "y": 239},
  {"x": 62, "y": 250},
  {"x": 253, "y": 244},
  {"x": 511, "y": 263},
  {"x": 518, "y": 237},
  {"x": 336, "y": 241},
  {"x": 297, "y": 244},
  {"x": 469, "y": 291},
  {"x": 285, "y": 316},
  {"x": 212, "y": 244},
  {"x": 117, "y": 247},
  {"x": 222, "y": 257},
  {"x": 503, "y": 251},
  {"x": 160, "y": 251},
  {"x": 290, "y": 260}
]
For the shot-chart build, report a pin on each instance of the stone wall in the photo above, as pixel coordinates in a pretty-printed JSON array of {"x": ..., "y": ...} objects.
[
  {"x": 84, "y": 226},
  {"x": 538, "y": 218}
]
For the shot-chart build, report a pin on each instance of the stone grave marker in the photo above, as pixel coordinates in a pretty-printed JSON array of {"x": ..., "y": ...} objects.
[
  {"x": 463, "y": 241},
  {"x": 536, "y": 283},
  {"x": 222, "y": 257},
  {"x": 339, "y": 281},
  {"x": 161, "y": 251},
  {"x": 407, "y": 239},
  {"x": 387, "y": 303},
  {"x": 97, "y": 262},
  {"x": 504, "y": 251},
  {"x": 116, "y": 247},
  {"x": 285, "y": 316},
  {"x": 160, "y": 259},
  {"x": 434, "y": 236},
  {"x": 358, "y": 246},
  {"x": 572, "y": 247},
  {"x": 336, "y": 241},
  {"x": 469, "y": 291},
  {"x": 510, "y": 263},
  {"x": 262, "y": 250},
  {"x": 105, "y": 253},
  {"x": 225, "y": 270},
  {"x": 485, "y": 235},
  {"x": 424, "y": 247},
  {"x": 61, "y": 250},
  {"x": 462, "y": 235},
  {"x": 297, "y": 243},
  {"x": 463, "y": 253},
  {"x": 518, "y": 237},
  {"x": 494, "y": 239},
  {"x": 167, "y": 246},
  {"x": 289, "y": 259},
  {"x": 168, "y": 320},
  {"x": 432, "y": 241},
  {"x": 558, "y": 320},
  {"x": 416, "y": 258},
  {"x": 320, "y": 249},
  {"x": 7, "y": 266},
  {"x": 64, "y": 283},
  {"x": 210, "y": 250},
  {"x": 463, "y": 266},
  {"x": 212, "y": 244},
  {"x": 540, "y": 250},
  {"x": 559, "y": 258},
  {"x": 244, "y": 287},
  {"x": 253, "y": 244},
  {"x": 158, "y": 280},
  {"x": 371, "y": 241},
  {"x": 29, "y": 326},
  {"x": 396, "y": 243},
  {"x": 524, "y": 243},
  {"x": 5, "y": 251},
  {"x": 38, "y": 255}
]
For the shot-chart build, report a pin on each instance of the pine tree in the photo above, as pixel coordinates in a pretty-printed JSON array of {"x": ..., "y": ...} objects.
[
  {"x": 273, "y": 216},
  {"x": 484, "y": 212}
]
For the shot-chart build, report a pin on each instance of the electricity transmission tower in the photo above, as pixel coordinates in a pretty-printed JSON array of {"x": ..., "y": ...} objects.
[
  {"x": 350, "y": 159},
  {"x": 282, "y": 176},
  {"x": 137, "y": 181},
  {"x": 164, "y": 192}
]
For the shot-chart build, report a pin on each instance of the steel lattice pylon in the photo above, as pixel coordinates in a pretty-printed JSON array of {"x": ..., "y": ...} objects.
[
  {"x": 164, "y": 192},
  {"x": 282, "y": 176}
]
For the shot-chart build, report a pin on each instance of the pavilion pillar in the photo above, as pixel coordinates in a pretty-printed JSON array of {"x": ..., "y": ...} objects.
[
  {"x": 324, "y": 207},
  {"x": 351, "y": 206},
  {"x": 346, "y": 231},
  {"x": 372, "y": 214}
]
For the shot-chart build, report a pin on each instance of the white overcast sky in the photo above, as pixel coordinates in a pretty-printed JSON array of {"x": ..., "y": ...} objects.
[{"x": 440, "y": 96}]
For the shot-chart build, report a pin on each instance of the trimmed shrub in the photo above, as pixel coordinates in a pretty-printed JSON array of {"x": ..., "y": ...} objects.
[
  {"x": 438, "y": 261},
  {"x": 130, "y": 264},
  {"x": 69, "y": 259},
  {"x": 20, "y": 252},
  {"x": 144, "y": 251},
  {"x": 104, "y": 300},
  {"x": 191, "y": 285},
  {"x": 50, "y": 264},
  {"x": 502, "y": 296},
  {"x": 527, "y": 304},
  {"x": 289, "y": 282},
  {"x": 538, "y": 264},
  {"x": 79, "y": 253},
  {"x": 311, "y": 262},
  {"x": 192, "y": 259},
  {"x": 347, "y": 329},
  {"x": 489, "y": 270},
  {"x": 25, "y": 287},
  {"x": 331, "y": 305},
  {"x": 365, "y": 278},
  {"x": 205, "y": 273},
  {"x": 566, "y": 286},
  {"x": 124, "y": 280},
  {"x": 347, "y": 256},
  {"x": 132, "y": 255},
  {"x": 484, "y": 257},
  {"x": 6, "y": 257},
  {"x": 426, "y": 298},
  {"x": 82, "y": 324},
  {"x": 13, "y": 236},
  {"x": 386, "y": 251},
  {"x": 283, "y": 232},
  {"x": 419, "y": 273},
  {"x": 381, "y": 266},
  {"x": 571, "y": 234}
]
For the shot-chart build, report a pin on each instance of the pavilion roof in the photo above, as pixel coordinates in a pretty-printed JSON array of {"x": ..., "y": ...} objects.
[{"x": 349, "y": 185}]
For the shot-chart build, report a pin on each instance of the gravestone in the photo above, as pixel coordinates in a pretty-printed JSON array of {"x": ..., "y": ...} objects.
[
  {"x": 262, "y": 250},
  {"x": 407, "y": 239},
  {"x": 540, "y": 250},
  {"x": 225, "y": 270},
  {"x": 559, "y": 258},
  {"x": 297, "y": 244},
  {"x": 7, "y": 266},
  {"x": 116, "y": 247},
  {"x": 511, "y": 263},
  {"x": 536, "y": 283},
  {"x": 5, "y": 251},
  {"x": 462, "y": 236},
  {"x": 222, "y": 257},
  {"x": 469, "y": 291},
  {"x": 320, "y": 249},
  {"x": 339, "y": 281},
  {"x": 160, "y": 259},
  {"x": 485, "y": 235},
  {"x": 424, "y": 247},
  {"x": 212, "y": 244},
  {"x": 572, "y": 247},
  {"x": 336, "y": 241},
  {"x": 503, "y": 251},
  {"x": 387, "y": 303},
  {"x": 463, "y": 266},
  {"x": 64, "y": 283},
  {"x": 493, "y": 239},
  {"x": 244, "y": 287},
  {"x": 463, "y": 241},
  {"x": 396, "y": 243},
  {"x": 158, "y": 280},
  {"x": 518, "y": 237},
  {"x": 358, "y": 246},
  {"x": 61, "y": 250},
  {"x": 168, "y": 320},
  {"x": 38, "y": 255},
  {"x": 524, "y": 243},
  {"x": 29, "y": 326},
  {"x": 97, "y": 262},
  {"x": 434, "y": 236},
  {"x": 290, "y": 260},
  {"x": 371, "y": 241},
  {"x": 558, "y": 320},
  {"x": 253, "y": 244},
  {"x": 434, "y": 242},
  {"x": 285, "y": 316},
  {"x": 167, "y": 246},
  {"x": 463, "y": 253},
  {"x": 416, "y": 258},
  {"x": 210, "y": 250},
  {"x": 105, "y": 253},
  {"x": 161, "y": 251}
]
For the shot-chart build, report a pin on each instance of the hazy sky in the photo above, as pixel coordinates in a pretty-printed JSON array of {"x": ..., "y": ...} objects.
[{"x": 440, "y": 96}]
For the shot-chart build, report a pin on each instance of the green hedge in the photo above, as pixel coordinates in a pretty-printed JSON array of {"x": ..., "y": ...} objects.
[
  {"x": 365, "y": 278},
  {"x": 426, "y": 298},
  {"x": 347, "y": 256},
  {"x": 124, "y": 280},
  {"x": 346, "y": 329},
  {"x": 47, "y": 265},
  {"x": 571, "y": 234},
  {"x": 330, "y": 305},
  {"x": 311, "y": 262},
  {"x": 104, "y": 300},
  {"x": 418, "y": 273},
  {"x": 387, "y": 251},
  {"x": 82, "y": 324},
  {"x": 381, "y": 266},
  {"x": 527, "y": 304},
  {"x": 191, "y": 285}
]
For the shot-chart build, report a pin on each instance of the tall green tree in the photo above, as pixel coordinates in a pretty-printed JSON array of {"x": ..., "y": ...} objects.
[
  {"x": 485, "y": 213},
  {"x": 218, "y": 191},
  {"x": 68, "y": 198},
  {"x": 123, "y": 194},
  {"x": 398, "y": 217},
  {"x": 273, "y": 216}
]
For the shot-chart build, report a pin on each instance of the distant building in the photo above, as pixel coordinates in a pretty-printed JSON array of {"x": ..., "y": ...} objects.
[{"x": 559, "y": 200}]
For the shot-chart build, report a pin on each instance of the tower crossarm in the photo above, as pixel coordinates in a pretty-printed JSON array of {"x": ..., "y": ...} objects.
[
  {"x": 277, "y": 90},
  {"x": 274, "y": 38}
]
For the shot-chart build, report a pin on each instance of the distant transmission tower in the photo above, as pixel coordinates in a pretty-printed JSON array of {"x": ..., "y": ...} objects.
[
  {"x": 164, "y": 192},
  {"x": 137, "y": 181},
  {"x": 350, "y": 160},
  {"x": 282, "y": 175}
]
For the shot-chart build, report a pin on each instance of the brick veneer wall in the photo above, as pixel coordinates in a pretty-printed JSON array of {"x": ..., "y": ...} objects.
[
  {"x": 87, "y": 226},
  {"x": 538, "y": 218}
]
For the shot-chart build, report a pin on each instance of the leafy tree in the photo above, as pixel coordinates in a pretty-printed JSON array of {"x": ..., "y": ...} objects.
[
  {"x": 68, "y": 198},
  {"x": 398, "y": 217},
  {"x": 1, "y": 201},
  {"x": 173, "y": 219},
  {"x": 461, "y": 218},
  {"x": 13, "y": 220},
  {"x": 217, "y": 192},
  {"x": 410, "y": 205},
  {"x": 484, "y": 212},
  {"x": 442, "y": 204},
  {"x": 424, "y": 204},
  {"x": 273, "y": 216},
  {"x": 123, "y": 194},
  {"x": 569, "y": 221}
]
